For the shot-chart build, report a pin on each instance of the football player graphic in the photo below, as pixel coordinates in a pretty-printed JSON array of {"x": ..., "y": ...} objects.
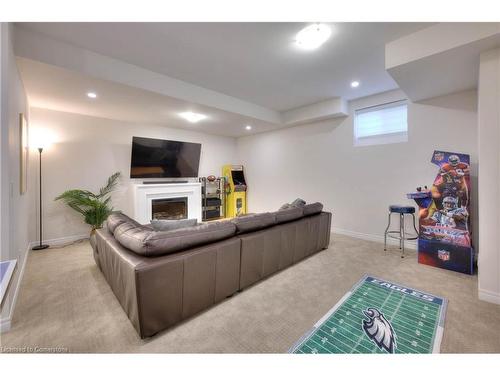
[
  {"x": 453, "y": 180},
  {"x": 455, "y": 167},
  {"x": 451, "y": 215}
]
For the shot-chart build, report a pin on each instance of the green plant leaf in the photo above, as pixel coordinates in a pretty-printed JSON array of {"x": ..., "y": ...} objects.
[
  {"x": 93, "y": 207},
  {"x": 112, "y": 181}
]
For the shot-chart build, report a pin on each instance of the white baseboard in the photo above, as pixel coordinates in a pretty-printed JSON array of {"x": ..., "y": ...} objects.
[
  {"x": 374, "y": 238},
  {"x": 488, "y": 296},
  {"x": 61, "y": 241},
  {"x": 5, "y": 323}
]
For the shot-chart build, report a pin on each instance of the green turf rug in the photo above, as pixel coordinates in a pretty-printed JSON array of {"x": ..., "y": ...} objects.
[{"x": 378, "y": 316}]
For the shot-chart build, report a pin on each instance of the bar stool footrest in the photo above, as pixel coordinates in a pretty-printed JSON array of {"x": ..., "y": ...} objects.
[{"x": 406, "y": 238}]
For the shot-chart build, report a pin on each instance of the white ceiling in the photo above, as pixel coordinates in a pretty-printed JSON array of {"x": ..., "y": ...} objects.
[
  {"x": 65, "y": 90},
  {"x": 255, "y": 62}
]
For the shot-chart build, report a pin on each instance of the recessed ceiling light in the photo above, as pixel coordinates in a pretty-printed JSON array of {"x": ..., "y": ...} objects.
[
  {"x": 92, "y": 95},
  {"x": 192, "y": 117},
  {"x": 354, "y": 84},
  {"x": 248, "y": 127},
  {"x": 313, "y": 36}
]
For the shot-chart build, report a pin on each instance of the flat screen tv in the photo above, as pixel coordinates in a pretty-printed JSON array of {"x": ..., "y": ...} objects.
[{"x": 155, "y": 158}]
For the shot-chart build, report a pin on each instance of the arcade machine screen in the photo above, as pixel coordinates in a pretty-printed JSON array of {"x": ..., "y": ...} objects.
[{"x": 238, "y": 178}]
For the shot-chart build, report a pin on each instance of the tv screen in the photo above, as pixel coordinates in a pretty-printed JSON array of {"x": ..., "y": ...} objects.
[{"x": 154, "y": 158}]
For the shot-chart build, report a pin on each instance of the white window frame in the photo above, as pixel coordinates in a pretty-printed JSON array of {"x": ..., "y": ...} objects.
[{"x": 385, "y": 138}]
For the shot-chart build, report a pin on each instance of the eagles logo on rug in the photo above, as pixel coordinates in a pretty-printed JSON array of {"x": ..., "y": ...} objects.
[
  {"x": 379, "y": 330},
  {"x": 378, "y": 316}
]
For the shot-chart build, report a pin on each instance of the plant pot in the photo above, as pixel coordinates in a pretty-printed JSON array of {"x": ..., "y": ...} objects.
[
  {"x": 93, "y": 240},
  {"x": 93, "y": 243}
]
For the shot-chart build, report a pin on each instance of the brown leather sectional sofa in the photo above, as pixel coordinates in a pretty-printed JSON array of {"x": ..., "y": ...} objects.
[{"x": 162, "y": 278}]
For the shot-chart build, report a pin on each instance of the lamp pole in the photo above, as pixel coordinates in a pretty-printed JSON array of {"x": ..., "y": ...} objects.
[{"x": 40, "y": 246}]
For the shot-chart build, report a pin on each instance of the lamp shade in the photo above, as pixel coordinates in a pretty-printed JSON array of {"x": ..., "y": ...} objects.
[{"x": 40, "y": 138}]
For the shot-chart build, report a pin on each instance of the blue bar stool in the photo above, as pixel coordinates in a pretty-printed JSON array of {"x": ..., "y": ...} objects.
[{"x": 402, "y": 235}]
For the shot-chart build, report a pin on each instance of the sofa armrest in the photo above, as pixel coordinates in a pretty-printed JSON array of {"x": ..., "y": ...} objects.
[{"x": 118, "y": 267}]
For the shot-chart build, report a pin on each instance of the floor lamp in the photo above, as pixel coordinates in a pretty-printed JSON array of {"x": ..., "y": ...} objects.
[{"x": 40, "y": 246}]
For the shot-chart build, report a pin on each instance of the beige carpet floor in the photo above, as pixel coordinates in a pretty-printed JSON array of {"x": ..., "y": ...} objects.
[{"x": 65, "y": 302}]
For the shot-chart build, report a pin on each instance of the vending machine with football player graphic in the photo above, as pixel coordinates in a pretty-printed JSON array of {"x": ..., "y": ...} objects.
[{"x": 445, "y": 238}]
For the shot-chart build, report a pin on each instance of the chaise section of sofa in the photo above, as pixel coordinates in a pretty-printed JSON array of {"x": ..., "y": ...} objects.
[{"x": 158, "y": 292}]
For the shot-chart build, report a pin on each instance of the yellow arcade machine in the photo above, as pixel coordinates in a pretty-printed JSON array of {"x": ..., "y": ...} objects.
[{"x": 236, "y": 190}]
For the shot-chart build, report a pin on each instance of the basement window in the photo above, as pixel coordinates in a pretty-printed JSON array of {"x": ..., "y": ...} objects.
[{"x": 381, "y": 124}]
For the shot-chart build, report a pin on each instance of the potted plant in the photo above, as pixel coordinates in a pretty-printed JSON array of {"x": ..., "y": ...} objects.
[{"x": 94, "y": 208}]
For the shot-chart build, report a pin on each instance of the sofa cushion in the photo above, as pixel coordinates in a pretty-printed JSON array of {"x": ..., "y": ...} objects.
[
  {"x": 253, "y": 222},
  {"x": 289, "y": 214},
  {"x": 285, "y": 206},
  {"x": 313, "y": 208},
  {"x": 132, "y": 236},
  {"x": 296, "y": 203},
  {"x": 117, "y": 218},
  {"x": 147, "y": 242},
  {"x": 172, "y": 224}
]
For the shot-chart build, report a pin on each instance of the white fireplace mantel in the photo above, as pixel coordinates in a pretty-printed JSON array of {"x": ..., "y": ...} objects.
[{"x": 144, "y": 194}]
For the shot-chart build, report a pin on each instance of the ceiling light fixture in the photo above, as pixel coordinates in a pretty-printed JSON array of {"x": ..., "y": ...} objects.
[
  {"x": 313, "y": 36},
  {"x": 192, "y": 117},
  {"x": 92, "y": 95},
  {"x": 354, "y": 84},
  {"x": 248, "y": 127}
]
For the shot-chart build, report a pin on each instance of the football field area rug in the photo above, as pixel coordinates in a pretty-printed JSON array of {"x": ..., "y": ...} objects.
[{"x": 378, "y": 316}]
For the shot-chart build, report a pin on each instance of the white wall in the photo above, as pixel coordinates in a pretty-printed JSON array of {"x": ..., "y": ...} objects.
[
  {"x": 318, "y": 162},
  {"x": 489, "y": 176},
  {"x": 87, "y": 150},
  {"x": 16, "y": 210}
]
